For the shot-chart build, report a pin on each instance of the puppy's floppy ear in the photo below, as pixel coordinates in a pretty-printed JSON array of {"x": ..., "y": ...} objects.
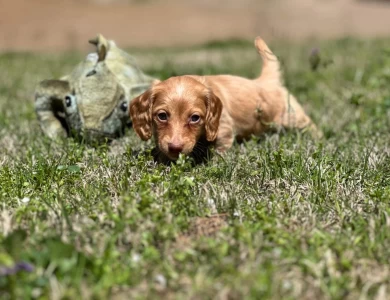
[
  {"x": 101, "y": 46},
  {"x": 213, "y": 114},
  {"x": 141, "y": 114}
]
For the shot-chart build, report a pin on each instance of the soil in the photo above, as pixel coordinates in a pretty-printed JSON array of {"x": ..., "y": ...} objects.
[
  {"x": 202, "y": 227},
  {"x": 57, "y": 25}
]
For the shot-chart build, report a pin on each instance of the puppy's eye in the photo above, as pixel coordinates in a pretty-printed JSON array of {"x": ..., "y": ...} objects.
[
  {"x": 68, "y": 101},
  {"x": 162, "y": 116},
  {"x": 123, "y": 106},
  {"x": 194, "y": 119}
]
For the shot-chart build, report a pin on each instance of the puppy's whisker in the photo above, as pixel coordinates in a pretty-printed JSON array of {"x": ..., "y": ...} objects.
[
  {"x": 159, "y": 156},
  {"x": 197, "y": 157},
  {"x": 200, "y": 151}
]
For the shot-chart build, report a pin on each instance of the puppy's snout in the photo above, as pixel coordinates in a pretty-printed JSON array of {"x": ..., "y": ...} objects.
[{"x": 175, "y": 148}]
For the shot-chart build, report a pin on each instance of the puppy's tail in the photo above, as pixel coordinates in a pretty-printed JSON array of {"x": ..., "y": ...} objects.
[{"x": 270, "y": 72}]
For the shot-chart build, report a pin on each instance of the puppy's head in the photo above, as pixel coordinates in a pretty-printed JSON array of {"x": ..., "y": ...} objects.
[{"x": 179, "y": 113}]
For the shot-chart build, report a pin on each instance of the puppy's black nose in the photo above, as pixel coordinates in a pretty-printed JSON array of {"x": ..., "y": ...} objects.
[{"x": 175, "y": 148}]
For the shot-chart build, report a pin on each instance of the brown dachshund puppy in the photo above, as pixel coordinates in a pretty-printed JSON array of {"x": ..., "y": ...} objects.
[{"x": 187, "y": 114}]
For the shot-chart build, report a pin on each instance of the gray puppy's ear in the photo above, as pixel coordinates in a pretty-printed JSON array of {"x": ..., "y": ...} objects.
[
  {"x": 101, "y": 46},
  {"x": 49, "y": 106},
  {"x": 138, "y": 89}
]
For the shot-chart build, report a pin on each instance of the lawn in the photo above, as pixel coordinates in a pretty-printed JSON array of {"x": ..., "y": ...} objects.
[{"x": 277, "y": 217}]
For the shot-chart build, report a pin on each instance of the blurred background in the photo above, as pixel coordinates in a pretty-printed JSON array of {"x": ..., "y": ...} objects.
[{"x": 52, "y": 25}]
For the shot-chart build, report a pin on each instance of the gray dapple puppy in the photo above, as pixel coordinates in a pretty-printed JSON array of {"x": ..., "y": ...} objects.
[{"x": 92, "y": 103}]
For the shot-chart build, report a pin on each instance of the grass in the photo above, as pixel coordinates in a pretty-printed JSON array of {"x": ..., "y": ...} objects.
[{"x": 280, "y": 217}]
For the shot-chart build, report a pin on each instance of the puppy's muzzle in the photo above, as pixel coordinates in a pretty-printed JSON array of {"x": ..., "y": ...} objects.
[{"x": 175, "y": 149}]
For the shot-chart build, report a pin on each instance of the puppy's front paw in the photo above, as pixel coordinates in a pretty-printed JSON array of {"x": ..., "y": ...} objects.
[
  {"x": 314, "y": 132},
  {"x": 221, "y": 150}
]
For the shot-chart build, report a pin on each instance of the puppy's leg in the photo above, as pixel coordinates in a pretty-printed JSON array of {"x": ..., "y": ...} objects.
[
  {"x": 225, "y": 137},
  {"x": 295, "y": 117}
]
